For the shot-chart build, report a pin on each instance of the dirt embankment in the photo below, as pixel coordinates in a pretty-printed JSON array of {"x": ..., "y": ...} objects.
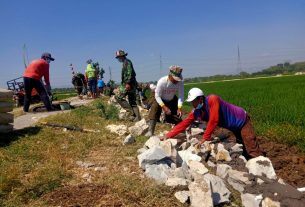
[{"x": 288, "y": 162}]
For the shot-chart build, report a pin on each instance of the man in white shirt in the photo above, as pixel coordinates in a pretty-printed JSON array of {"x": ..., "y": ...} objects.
[{"x": 166, "y": 99}]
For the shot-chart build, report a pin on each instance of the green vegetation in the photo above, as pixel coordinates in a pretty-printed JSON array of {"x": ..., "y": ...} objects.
[
  {"x": 279, "y": 69},
  {"x": 276, "y": 105},
  {"x": 38, "y": 165}
]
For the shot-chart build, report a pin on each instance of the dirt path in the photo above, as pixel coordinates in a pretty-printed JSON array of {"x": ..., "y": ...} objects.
[{"x": 29, "y": 119}]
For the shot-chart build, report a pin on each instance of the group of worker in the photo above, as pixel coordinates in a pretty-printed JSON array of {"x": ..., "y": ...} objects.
[{"x": 168, "y": 97}]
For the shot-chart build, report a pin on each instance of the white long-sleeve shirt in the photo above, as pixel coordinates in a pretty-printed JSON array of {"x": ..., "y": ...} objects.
[{"x": 166, "y": 90}]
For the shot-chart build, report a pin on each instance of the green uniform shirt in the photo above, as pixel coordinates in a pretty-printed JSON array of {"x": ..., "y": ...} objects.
[
  {"x": 128, "y": 74},
  {"x": 90, "y": 71}
]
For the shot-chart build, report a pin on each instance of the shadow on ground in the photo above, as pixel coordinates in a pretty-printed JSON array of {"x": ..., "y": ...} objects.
[{"x": 8, "y": 138}]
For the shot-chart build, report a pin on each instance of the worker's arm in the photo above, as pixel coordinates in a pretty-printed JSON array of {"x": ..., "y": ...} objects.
[
  {"x": 180, "y": 94},
  {"x": 181, "y": 126},
  {"x": 158, "y": 93},
  {"x": 128, "y": 68},
  {"x": 214, "y": 104},
  {"x": 46, "y": 73}
]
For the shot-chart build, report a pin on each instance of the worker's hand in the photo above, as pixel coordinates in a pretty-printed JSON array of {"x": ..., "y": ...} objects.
[
  {"x": 179, "y": 112},
  {"x": 166, "y": 110},
  {"x": 198, "y": 146},
  {"x": 127, "y": 87}
]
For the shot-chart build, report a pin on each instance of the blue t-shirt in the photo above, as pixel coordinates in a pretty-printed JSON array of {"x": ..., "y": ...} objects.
[{"x": 100, "y": 83}]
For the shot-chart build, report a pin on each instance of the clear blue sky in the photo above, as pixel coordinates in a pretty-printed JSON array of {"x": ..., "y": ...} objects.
[{"x": 201, "y": 36}]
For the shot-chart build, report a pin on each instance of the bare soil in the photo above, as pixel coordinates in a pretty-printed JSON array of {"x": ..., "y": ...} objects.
[{"x": 288, "y": 162}]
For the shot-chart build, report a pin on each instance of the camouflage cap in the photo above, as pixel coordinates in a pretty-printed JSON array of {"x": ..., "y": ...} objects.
[
  {"x": 176, "y": 72},
  {"x": 120, "y": 53}
]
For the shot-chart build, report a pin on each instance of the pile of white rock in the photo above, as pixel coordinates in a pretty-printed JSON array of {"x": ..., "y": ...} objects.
[{"x": 201, "y": 183}]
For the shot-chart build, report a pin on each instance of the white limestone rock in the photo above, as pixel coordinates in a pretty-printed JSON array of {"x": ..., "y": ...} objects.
[
  {"x": 268, "y": 202},
  {"x": 182, "y": 196},
  {"x": 175, "y": 182},
  {"x": 118, "y": 129},
  {"x": 152, "y": 142},
  {"x": 186, "y": 156},
  {"x": 251, "y": 200},
  {"x": 196, "y": 131},
  {"x": 151, "y": 156},
  {"x": 237, "y": 148},
  {"x": 223, "y": 155},
  {"x": 261, "y": 166},
  {"x": 222, "y": 170},
  {"x": 200, "y": 194},
  {"x": 159, "y": 172},
  {"x": 220, "y": 193},
  {"x": 129, "y": 140},
  {"x": 140, "y": 128},
  {"x": 197, "y": 167},
  {"x": 238, "y": 180}
]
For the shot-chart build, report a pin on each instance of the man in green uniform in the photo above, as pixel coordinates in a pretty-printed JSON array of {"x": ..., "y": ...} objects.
[
  {"x": 91, "y": 77},
  {"x": 128, "y": 85}
]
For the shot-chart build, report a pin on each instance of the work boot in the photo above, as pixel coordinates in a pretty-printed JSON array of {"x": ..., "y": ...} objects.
[
  {"x": 136, "y": 113},
  {"x": 151, "y": 129}
]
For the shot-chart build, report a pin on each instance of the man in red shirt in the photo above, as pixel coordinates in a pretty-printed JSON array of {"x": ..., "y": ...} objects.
[
  {"x": 32, "y": 79},
  {"x": 217, "y": 112}
]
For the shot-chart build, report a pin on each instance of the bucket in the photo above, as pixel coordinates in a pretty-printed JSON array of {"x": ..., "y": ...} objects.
[{"x": 65, "y": 106}]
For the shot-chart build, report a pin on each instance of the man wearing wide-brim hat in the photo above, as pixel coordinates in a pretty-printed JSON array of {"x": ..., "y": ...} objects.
[
  {"x": 128, "y": 86},
  {"x": 166, "y": 99}
]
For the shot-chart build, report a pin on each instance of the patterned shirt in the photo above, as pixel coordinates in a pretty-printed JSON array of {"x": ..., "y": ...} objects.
[{"x": 166, "y": 90}]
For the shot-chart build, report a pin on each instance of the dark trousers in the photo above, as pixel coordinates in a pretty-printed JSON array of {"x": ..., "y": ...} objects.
[
  {"x": 29, "y": 84},
  {"x": 155, "y": 111},
  {"x": 247, "y": 137}
]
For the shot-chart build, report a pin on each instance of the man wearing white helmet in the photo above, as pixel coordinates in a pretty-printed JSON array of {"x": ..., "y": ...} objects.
[
  {"x": 166, "y": 99},
  {"x": 217, "y": 112}
]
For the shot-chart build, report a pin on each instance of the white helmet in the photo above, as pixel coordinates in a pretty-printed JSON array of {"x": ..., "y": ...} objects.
[{"x": 194, "y": 93}]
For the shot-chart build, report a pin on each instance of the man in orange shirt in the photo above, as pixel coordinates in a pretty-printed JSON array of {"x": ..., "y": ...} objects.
[{"x": 32, "y": 79}]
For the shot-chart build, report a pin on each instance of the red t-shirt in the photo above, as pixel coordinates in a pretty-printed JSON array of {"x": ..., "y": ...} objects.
[{"x": 37, "y": 69}]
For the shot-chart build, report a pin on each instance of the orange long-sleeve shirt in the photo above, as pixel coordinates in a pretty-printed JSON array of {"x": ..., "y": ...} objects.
[{"x": 37, "y": 69}]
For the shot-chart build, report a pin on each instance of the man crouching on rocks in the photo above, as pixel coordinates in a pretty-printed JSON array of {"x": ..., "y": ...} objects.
[{"x": 217, "y": 112}]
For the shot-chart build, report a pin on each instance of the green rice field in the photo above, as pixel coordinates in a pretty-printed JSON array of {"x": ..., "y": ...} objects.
[{"x": 276, "y": 105}]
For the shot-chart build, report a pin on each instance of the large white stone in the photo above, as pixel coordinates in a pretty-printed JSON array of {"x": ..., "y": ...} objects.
[
  {"x": 197, "y": 167},
  {"x": 261, "y": 166},
  {"x": 129, "y": 140},
  {"x": 251, "y": 200},
  {"x": 175, "y": 182},
  {"x": 152, "y": 142},
  {"x": 220, "y": 193},
  {"x": 223, "y": 155},
  {"x": 200, "y": 194},
  {"x": 140, "y": 128},
  {"x": 159, "y": 172},
  {"x": 237, "y": 148},
  {"x": 222, "y": 170},
  {"x": 238, "y": 180},
  {"x": 151, "y": 156},
  {"x": 182, "y": 196},
  {"x": 186, "y": 156},
  {"x": 267, "y": 202},
  {"x": 118, "y": 129},
  {"x": 167, "y": 147},
  {"x": 196, "y": 131}
]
